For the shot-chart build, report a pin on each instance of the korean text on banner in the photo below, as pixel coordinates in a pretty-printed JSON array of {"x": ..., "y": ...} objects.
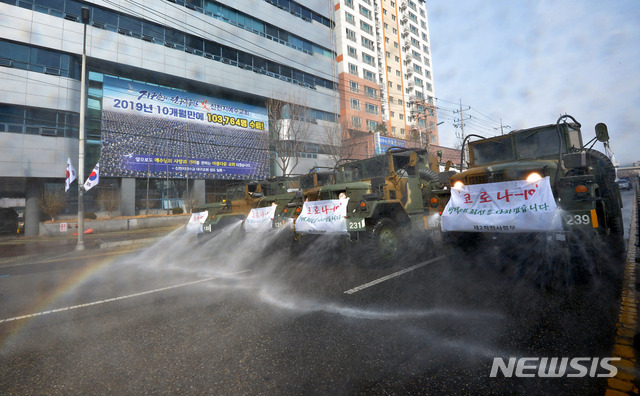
[
  {"x": 260, "y": 219},
  {"x": 319, "y": 217},
  {"x": 196, "y": 221},
  {"x": 514, "y": 206}
]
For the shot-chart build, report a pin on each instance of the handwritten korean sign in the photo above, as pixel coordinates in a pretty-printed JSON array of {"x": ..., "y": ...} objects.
[
  {"x": 196, "y": 221},
  {"x": 259, "y": 219},
  {"x": 515, "y": 206},
  {"x": 320, "y": 217}
]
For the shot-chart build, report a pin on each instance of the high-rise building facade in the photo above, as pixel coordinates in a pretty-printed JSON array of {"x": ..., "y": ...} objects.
[
  {"x": 178, "y": 95},
  {"x": 384, "y": 69}
]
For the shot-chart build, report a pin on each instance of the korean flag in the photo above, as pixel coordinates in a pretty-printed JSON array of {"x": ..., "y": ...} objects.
[
  {"x": 93, "y": 179},
  {"x": 71, "y": 175}
]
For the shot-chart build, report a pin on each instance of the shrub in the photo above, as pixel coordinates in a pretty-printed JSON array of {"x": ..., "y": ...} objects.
[{"x": 177, "y": 210}]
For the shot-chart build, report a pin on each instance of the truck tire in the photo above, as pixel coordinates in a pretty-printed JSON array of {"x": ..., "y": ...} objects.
[
  {"x": 428, "y": 175},
  {"x": 616, "y": 236},
  {"x": 384, "y": 243}
]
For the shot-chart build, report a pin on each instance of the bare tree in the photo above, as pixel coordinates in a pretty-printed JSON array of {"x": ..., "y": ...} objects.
[
  {"x": 53, "y": 201},
  {"x": 190, "y": 201},
  {"x": 109, "y": 200},
  {"x": 289, "y": 129},
  {"x": 338, "y": 144}
]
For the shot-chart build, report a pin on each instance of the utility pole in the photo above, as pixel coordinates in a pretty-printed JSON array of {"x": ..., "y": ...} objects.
[
  {"x": 462, "y": 125},
  {"x": 81, "y": 132}
]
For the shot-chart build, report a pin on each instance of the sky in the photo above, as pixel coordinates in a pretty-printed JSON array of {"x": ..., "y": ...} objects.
[{"x": 526, "y": 62}]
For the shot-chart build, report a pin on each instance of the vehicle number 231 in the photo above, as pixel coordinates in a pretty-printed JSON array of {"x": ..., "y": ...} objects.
[{"x": 578, "y": 219}]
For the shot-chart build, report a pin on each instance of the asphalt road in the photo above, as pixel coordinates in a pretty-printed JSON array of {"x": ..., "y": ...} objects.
[{"x": 183, "y": 318}]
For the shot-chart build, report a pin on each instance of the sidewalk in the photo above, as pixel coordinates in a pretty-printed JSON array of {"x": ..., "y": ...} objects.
[{"x": 12, "y": 247}]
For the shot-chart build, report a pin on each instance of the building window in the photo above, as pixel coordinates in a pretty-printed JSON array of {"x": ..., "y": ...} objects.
[
  {"x": 354, "y": 86},
  {"x": 356, "y": 122},
  {"x": 369, "y": 76},
  {"x": 365, "y": 12},
  {"x": 350, "y": 18},
  {"x": 367, "y": 43},
  {"x": 371, "y": 109},
  {"x": 368, "y": 59},
  {"x": 371, "y": 125},
  {"x": 365, "y": 27},
  {"x": 371, "y": 92},
  {"x": 355, "y": 104},
  {"x": 351, "y": 35},
  {"x": 353, "y": 69},
  {"x": 352, "y": 52},
  {"x": 348, "y": 3}
]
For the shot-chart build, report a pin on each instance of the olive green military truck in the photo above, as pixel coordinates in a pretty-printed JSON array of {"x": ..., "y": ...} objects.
[
  {"x": 584, "y": 210},
  {"x": 393, "y": 203}
]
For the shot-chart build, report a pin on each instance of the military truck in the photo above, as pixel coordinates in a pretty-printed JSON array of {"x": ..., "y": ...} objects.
[
  {"x": 310, "y": 185},
  {"x": 582, "y": 181},
  {"x": 391, "y": 204},
  {"x": 237, "y": 202}
]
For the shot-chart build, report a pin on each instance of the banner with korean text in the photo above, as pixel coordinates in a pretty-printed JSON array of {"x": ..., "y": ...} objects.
[
  {"x": 196, "y": 221},
  {"x": 515, "y": 206},
  {"x": 155, "y": 131},
  {"x": 260, "y": 219},
  {"x": 320, "y": 217}
]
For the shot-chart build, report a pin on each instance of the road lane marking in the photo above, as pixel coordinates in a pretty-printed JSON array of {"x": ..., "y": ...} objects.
[
  {"x": 117, "y": 298},
  {"x": 390, "y": 276}
]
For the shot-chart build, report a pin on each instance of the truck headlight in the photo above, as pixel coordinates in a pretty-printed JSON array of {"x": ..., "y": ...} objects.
[
  {"x": 458, "y": 185},
  {"x": 533, "y": 177}
]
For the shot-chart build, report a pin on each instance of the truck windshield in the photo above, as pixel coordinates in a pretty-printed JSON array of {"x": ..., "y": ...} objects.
[
  {"x": 490, "y": 151},
  {"x": 537, "y": 143}
]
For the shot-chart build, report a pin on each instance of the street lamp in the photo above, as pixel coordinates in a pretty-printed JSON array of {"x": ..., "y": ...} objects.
[{"x": 83, "y": 99}]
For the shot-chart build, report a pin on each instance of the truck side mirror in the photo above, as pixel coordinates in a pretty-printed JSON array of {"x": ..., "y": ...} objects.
[{"x": 602, "y": 133}]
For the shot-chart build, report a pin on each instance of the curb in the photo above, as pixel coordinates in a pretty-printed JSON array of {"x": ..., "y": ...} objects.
[
  {"x": 129, "y": 242},
  {"x": 624, "y": 383}
]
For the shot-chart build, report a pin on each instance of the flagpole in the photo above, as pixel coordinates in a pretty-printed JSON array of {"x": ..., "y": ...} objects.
[{"x": 83, "y": 82}]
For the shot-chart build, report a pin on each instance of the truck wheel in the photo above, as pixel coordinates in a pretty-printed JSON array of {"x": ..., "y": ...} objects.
[
  {"x": 616, "y": 236},
  {"x": 384, "y": 243},
  {"x": 429, "y": 175}
]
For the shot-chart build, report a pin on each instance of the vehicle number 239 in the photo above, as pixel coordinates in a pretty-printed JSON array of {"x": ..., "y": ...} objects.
[{"x": 578, "y": 219}]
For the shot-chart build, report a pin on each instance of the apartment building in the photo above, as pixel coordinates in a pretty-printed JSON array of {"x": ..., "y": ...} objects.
[{"x": 385, "y": 73}]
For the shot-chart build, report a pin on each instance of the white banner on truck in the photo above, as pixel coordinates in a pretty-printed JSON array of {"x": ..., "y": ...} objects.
[
  {"x": 196, "y": 221},
  {"x": 320, "y": 217},
  {"x": 515, "y": 206},
  {"x": 260, "y": 219}
]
